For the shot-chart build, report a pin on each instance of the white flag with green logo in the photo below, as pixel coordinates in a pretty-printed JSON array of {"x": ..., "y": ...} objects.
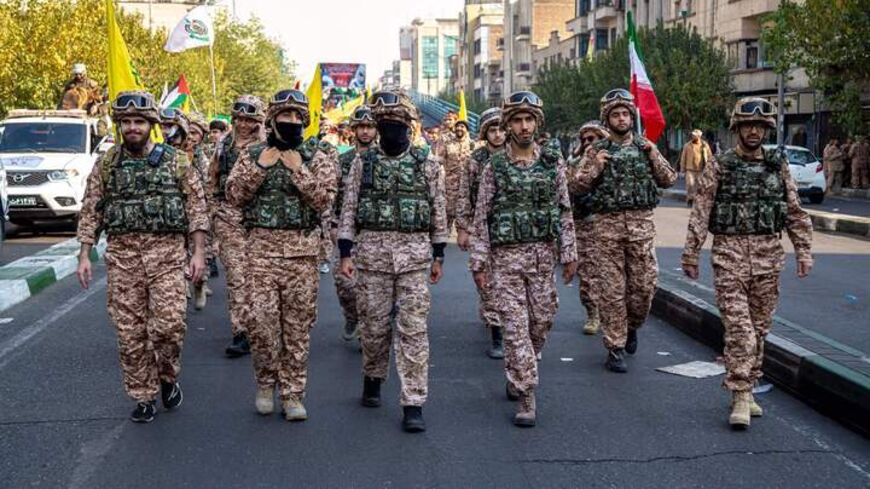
[{"x": 194, "y": 31}]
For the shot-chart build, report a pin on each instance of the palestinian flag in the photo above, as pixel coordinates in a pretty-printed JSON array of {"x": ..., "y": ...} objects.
[
  {"x": 178, "y": 97},
  {"x": 652, "y": 119}
]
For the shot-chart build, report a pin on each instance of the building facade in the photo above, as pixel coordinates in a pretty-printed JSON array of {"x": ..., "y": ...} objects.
[
  {"x": 479, "y": 60},
  {"x": 528, "y": 25},
  {"x": 430, "y": 44}
]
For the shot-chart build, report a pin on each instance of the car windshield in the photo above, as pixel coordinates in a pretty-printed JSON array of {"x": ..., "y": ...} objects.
[
  {"x": 42, "y": 137},
  {"x": 800, "y": 156}
]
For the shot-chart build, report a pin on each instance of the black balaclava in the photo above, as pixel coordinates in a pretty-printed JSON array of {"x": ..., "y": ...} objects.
[
  {"x": 286, "y": 135},
  {"x": 394, "y": 137}
]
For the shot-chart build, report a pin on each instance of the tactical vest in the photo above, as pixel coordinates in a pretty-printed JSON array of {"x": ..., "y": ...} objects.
[
  {"x": 394, "y": 193},
  {"x": 345, "y": 160},
  {"x": 626, "y": 183},
  {"x": 278, "y": 204},
  {"x": 227, "y": 158},
  {"x": 143, "y": 195},
  {"x": 480, "y": 156},
  {"x": 751, "y": 198},
  {"x": 581, "y": 202},
  {"x": 524, "y": 208}
]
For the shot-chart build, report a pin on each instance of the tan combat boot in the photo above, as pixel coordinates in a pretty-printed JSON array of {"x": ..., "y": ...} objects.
[
  {"x": 208, "y": 290},
  {"x": 265, "y": 401},
  {"x": 199, "y": 296},
  {"x": 294, "y": 410},
  {"x": 592, "y": 322},
  {"x": 525, "y": 416},
  {"x": 740, "y": 401},
  {"x": 755, "y": 410}
]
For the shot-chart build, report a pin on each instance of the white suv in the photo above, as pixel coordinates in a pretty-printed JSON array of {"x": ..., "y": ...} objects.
[{"x": 48, "y": 155}]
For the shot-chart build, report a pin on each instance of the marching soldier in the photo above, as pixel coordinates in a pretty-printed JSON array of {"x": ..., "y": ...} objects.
[
  {"x": 745, "y": 198},
  {"x": 452, "y": 153}
]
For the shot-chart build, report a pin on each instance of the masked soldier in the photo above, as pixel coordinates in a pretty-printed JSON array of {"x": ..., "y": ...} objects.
[
  {"x": 522, "y": 229},
  {"x": 147, "y": 226},
  {"x": 623, "y": 175},
  {"x": 365, "y": 130},
  {"x": 175, "y": 128},
  {"x": 248, "y": 116},
  {"x": 452, "y": 153},
  {"x": 590, "y": 133},
  {"x": 394, "y": 214},
  {"x": 745, "y": 198},
  {"x": 492, "y": 136},
  {"x": 284, "y": 185}
]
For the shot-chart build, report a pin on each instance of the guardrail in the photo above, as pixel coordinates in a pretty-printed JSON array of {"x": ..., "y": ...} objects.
[{"x": 437, "y": 108}]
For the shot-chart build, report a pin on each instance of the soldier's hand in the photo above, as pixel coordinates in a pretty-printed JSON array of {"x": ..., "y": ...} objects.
[
  {"x": 601, "y": 158},
  {"x": 462, "y": 239},
  {"x": 481, "y": 279},
  {"x": 347, "y": 267},
  {"x": 84, "y": 271},
  {"x": 269, "y": 157},
  {"x": 436, "y": 272},
  {"x": 691, "y": 271},
  {"x": 196, "y": 269},
  {"x": 803, "y": 268},
  {"x": 291, "y": 159},
  {"x": 568, "y": 272}
]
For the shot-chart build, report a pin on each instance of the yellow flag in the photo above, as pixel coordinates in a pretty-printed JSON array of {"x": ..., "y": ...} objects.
[
  {"x": 315, "y": 103},
  {"x": 463, "y": 110},
  {"x": 121, "y": 73},
  {"x": 590, "y": 49},
  {"x": 343, "y": 113}
]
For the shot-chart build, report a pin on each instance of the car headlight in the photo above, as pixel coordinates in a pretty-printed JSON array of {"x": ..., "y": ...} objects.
[{"x": 59, "y": 175}]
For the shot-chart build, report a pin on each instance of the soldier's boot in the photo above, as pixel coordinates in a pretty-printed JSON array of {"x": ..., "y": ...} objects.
[
  {"x": 496, "y": 351},
  {"x": 592, "y": 322},
  {"x": 631, "y": 342},
  {"x": 265, "y": 400},
  {"x": 755, "y": 410},
  {"x": 213, "y": 268},
  {"x": 171, "y": 394},
  {"x": 199, "y": 296},
  {"x": 351, "y": 330},
  {"x": 512, "y": 394},
  {"x": 208, "y": 291},
  {"x": 525, "y": 417},
  {"x": 740, "y": 415},
  {"x": 144, "y": 412},
  {"x": 189, "y": 295},
  {"x": 371, "y": 392},
  {"x": 412, "y": 421},
  {"x": 239, "y": 347},
  {"x": 294, "y": 410},
  {"x": 616, "y": 361}
]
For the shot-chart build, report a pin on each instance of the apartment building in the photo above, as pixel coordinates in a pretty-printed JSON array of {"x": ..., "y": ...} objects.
[
  {"x": 429, "y": 45},
  {"x": 479, "y": 61},
  {"x": 528, "y": 25}
]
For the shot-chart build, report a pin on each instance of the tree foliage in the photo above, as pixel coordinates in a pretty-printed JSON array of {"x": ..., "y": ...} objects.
[
  {"x": 830, "y": 40},
  {"x": 41, "y": 39}
]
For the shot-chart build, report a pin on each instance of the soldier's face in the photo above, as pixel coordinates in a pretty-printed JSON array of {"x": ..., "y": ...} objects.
[
  {"x": 293, "y": 117},
  {"x": 246, "y": 127},
  {"x": 588, "y": 138},
  {"x": 79, "y": 76},
  {"x": 195, "y": 137},
  {"x": 523, "y": 127},
  {"x": 620, "y": 120},
  {"x": 752, "y": 135},
  {"x": 365, "y": 133},
  {"x": 495, "y": 135},
  {"x": 135, "y": 131},
  {"x": 215, "y": 135},
  {"x": 460, "y": 130}
]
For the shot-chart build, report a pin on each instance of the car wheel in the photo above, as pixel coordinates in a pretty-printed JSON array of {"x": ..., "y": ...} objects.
[{"x": 817, "y": 198}]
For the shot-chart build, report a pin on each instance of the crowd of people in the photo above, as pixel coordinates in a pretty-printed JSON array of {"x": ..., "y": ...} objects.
[{"x": 847, "y": 164}]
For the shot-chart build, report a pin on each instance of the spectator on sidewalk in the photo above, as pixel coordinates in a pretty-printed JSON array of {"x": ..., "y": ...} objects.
[
  {"x": 859, "y": 153},
  {"x": 696, "y": 153},
  {"x": 833, "y": 163},
  {"x": 847, "y": 163}
]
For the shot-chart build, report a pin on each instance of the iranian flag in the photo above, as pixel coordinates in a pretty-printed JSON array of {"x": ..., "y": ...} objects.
[
  {"x": 652, "y": 119},
  {"x": 178, "y": 97}
]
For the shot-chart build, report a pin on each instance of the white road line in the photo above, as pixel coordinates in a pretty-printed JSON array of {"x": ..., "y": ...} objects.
[{"x": 7, "y": 349}]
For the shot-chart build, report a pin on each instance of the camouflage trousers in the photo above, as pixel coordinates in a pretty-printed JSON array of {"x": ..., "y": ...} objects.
[
  {"x": 283, "y": 314},
  {"x": 345, "y": 288},
  {"x": 585, "y": 263},
  {"x": 526, "y": 304},
  {"x": 747, "y": 304},
  {"x": 230, "y": 242},
  {"x": 625, "y": 283},
  {"x": 487, "y": 308},
  {"x": 377, "y": 293},
  {"x": 147, "y": 303}
]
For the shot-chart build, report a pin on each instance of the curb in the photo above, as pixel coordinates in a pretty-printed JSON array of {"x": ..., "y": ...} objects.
[
  {"x": 853, "y": 193},
  {"x": 829, "y": 376},
  {"x": 28, "y": 276},
  {"x": 822, "y": 221}
]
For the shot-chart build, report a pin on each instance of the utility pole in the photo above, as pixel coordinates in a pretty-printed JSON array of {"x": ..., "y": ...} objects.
[{"x": 780, "y": 113}]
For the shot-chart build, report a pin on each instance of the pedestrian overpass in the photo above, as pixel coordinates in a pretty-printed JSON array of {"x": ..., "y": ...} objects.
[{"x": 434, "y": 109}]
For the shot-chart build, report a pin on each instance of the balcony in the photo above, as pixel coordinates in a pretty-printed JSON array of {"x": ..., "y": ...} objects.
[
  {"x": 524, "y": 33},
  {"x": 577, "y": 25},
  {"x": 607, "y": 10}
]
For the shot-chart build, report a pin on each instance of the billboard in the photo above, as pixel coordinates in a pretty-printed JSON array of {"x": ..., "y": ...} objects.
[{"x": 350, "y": 76}]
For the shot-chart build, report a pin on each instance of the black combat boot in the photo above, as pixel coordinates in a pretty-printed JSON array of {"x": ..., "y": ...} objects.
[
  {"x": 239, "y": 347},
  {"x": 413, "y": 420},
  {"x": 371, "y": 392},
  {"x": 213, "y": 268},
  {"x": 497, "y": 350},
  {"x": 171, "y": 394},
  {"x": 631, "y": 342},
  {"x": 144, "y": 412},
  {"x": 616, "y": 361}
]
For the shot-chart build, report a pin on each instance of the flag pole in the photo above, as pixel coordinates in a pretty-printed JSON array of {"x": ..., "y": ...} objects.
[{"x": 213, "y": 78}]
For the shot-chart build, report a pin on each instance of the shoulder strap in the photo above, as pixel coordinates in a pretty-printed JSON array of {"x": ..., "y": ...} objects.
[
  {"x": 108, "y": 161},
  {"x": 420, "y": 153}
]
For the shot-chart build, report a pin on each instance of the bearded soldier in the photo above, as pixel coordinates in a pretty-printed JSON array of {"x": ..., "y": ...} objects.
[
  {"x": 147, "y": 226},
  {"x": 589, "y": 133},
  {"x": 452, "y": 153},
  {"x": 493, "y": 137},
  {"x": 623, "y": 173},
  {"x": 248, "y": 117},
  {"x": 394, "y": 215},
  {"x": 745, "y": 198},
  {"x": 284, "y": 185},
  {"x": 364, "y": 128},
  {"x": 522, "y": 229}
]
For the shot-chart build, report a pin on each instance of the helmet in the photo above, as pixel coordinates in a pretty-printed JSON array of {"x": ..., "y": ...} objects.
[
  {"x": 171, "y": 115},
  {"x": 198, "y": 120},
  {"x": 594, "y": 126},
  {"x": 79, "y": 69},
  {"x": 361, "y": 115},
  {"x": 488, "y": 118},
  {"x": 750, "y": 109},
  {"x": 618, "y": 97},
  {"x": 249, "y": 106},
  {"x": 135, "y": 103},
  {"x": 289, "y": 99},
  {"x": 522, "y": 101},
  {"x": 393, "y": 104}
]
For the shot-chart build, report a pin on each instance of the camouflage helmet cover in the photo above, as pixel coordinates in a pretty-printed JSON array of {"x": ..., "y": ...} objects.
[
  {"x": 522, "y": 101},
  {"x": 619, "y": 97},
  {"x": 753, "y": 109},
  {"x": 137, "y": 103},
  {"x": 280, "y": 103},
  {"x": 198, "y": 120},
  {"x": 178, "y": 118},
  {"x": 403, "y": 109},
  {"x": 253, "y": 100},
  {"x": 488, "y": 118},
  {"x": 594, "y": 126},
  {"x": 361, "y": 115}
]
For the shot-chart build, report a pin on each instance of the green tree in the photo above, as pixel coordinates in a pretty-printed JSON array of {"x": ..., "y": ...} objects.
[{"x": 830, "y": 40}]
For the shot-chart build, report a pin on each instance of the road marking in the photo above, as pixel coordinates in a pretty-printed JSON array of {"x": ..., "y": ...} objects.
[
  {"x": 6, "y": 320},
  {"x": 92, "y": 455},
  {"x": 7, "y": 349}
]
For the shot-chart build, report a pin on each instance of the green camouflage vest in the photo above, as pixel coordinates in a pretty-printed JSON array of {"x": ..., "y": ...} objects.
[
  {"x": 394, "y": 193},
  {"x": 581, "y": 202},
  {"x": 626, "y": 183},
  {"x": 480, "y": 156},
  {"x": 524, "y": 208},
  {"x": 345, "y": 160},
  {"x": 750, "y": 198},
  {"x": 278, "y": 204},
  {"x": 143, "y": 195},
  {"x": 227, "y": 157}
]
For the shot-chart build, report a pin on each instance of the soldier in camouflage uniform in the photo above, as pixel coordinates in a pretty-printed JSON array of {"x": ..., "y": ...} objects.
[
  {"x": 522, "y": 229},
  {"x": 198, "y": 153},
  {"x": 623, "y": 173},
  {"x": 453, "y": 153},
  {"x": 589, "y": 133},
  {"x": 394, "y": 214},
  {"x": 746, "y": 198},
  {"x": 248, "y": 116},
  {"x": 365, "y": 131},
  {"x": 146, "y": 260},
  {"x": 492, "y": 136},
  {"x": 283, "y": 186}
]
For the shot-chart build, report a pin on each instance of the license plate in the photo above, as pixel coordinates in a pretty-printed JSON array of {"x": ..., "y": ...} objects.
[{"x": 22, "y": 201}]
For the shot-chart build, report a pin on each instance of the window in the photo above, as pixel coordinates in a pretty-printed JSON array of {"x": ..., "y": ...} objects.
[
  {"x": 449, "y": 50},
  {"x": 477, "y": 46},
  {"x": 751, "y": 55},
  {"x": 43, "y": 137},
  {"x": 476, "y": 71},
  {"x": 430, "y": 56},
  {"x": 601, "y": 39}
]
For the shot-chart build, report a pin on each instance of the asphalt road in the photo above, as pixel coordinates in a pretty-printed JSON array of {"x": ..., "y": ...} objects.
[
  {"x": 25, "y": 241},
  {"x": 63, "y": 414}
]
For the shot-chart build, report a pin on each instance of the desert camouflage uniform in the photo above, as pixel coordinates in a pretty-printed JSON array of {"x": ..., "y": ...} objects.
[
  {"x": 345, "y": 287},
  {"x": 860, "y": 155},
  {"x": 746, "y": 269},
  {"x": 453, "y": 154},
  {"x": 585, "y": 240}
]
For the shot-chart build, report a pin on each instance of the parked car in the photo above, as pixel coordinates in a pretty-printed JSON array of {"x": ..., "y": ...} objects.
[
  {"x": 806, "y": 171},
  {"x": 48, "y": 155},
  {"x": 4, "y": 202}
]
